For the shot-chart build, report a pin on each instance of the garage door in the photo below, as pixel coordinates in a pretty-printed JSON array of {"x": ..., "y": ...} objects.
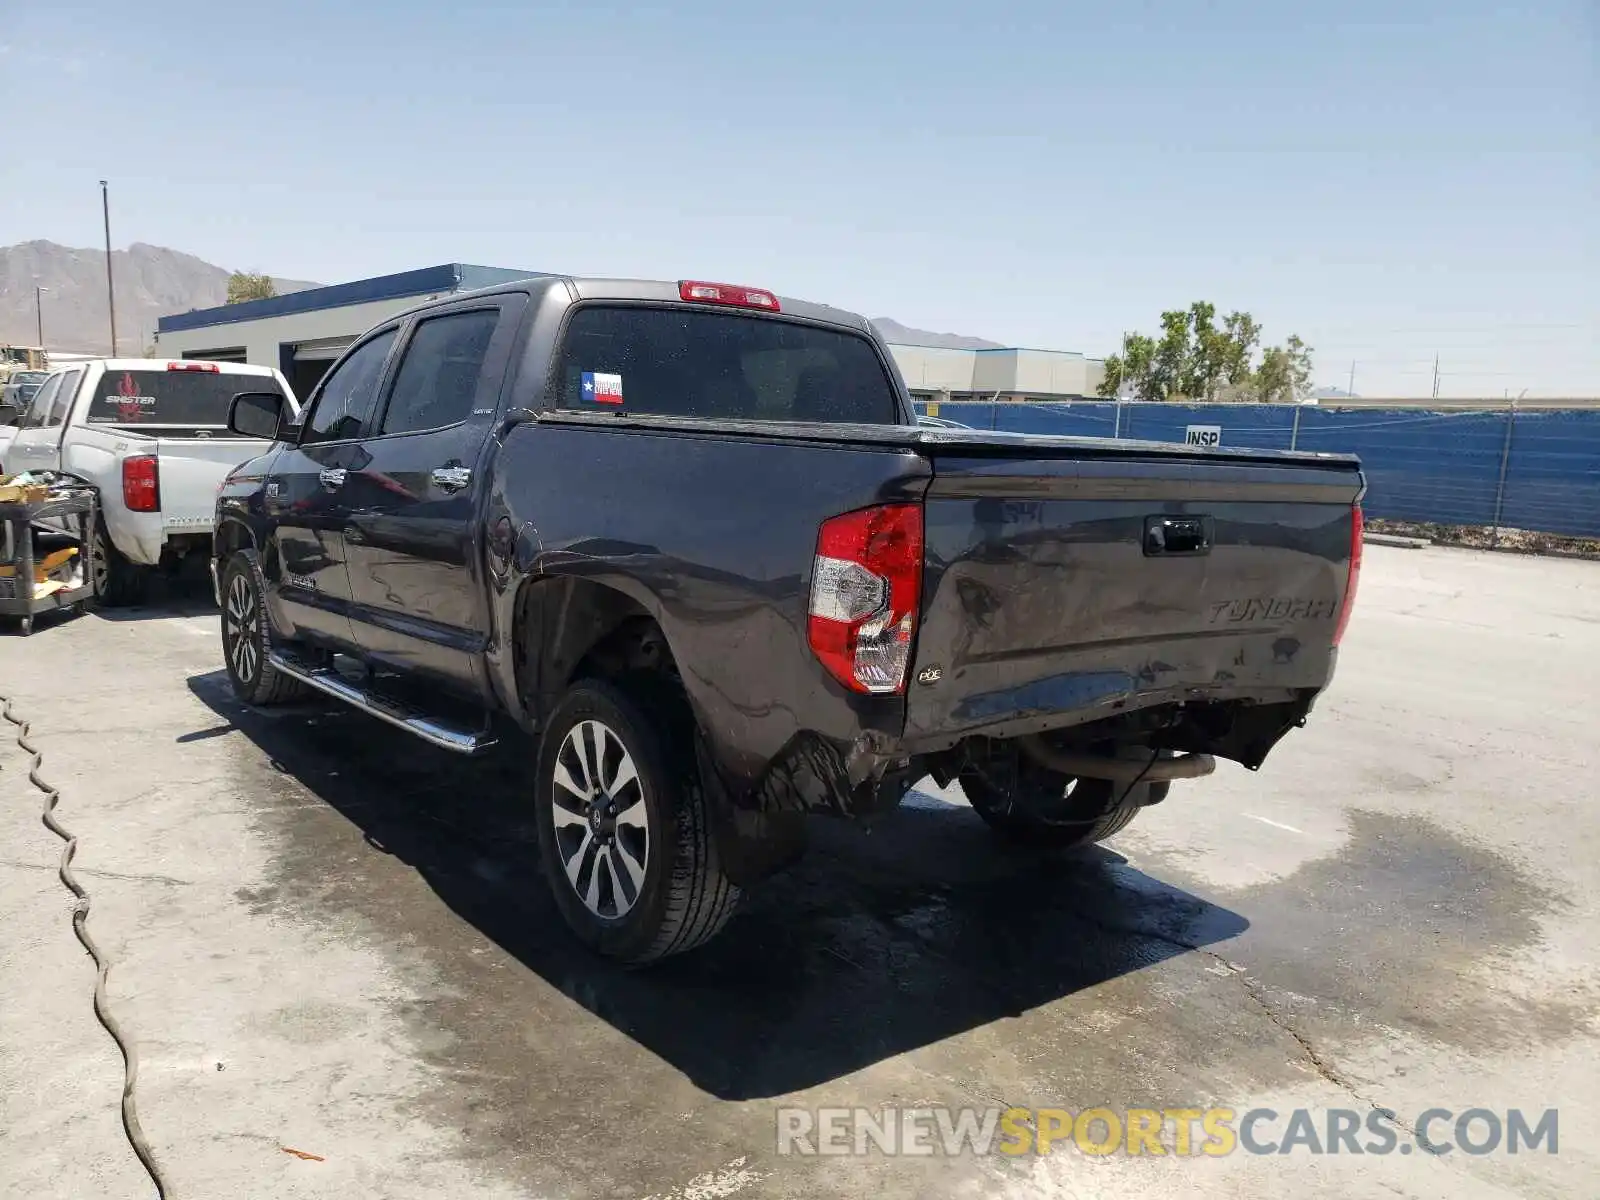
[{"x": 321, "y": 349}]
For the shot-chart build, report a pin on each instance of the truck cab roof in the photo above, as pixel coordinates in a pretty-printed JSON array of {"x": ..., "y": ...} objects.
[{"x": 650, "y": 291}]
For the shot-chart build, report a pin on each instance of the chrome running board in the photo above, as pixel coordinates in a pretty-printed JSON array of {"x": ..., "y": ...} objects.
[{"x": 429, "y": 729}]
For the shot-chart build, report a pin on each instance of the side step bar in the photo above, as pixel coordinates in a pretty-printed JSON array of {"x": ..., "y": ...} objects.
[{"x": 429, "y": 729}]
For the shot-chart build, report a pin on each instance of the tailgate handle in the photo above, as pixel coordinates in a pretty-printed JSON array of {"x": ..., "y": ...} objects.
[{"x": 1176, "y": 535}]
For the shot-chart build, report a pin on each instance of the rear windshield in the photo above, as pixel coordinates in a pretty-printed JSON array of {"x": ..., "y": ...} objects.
[
  {"x": 713, "y": 364},
  {"x": 167, "y": 399}
]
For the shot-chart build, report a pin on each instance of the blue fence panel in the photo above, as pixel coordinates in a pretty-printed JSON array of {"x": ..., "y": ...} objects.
[
  {"x": 1420, "y": 465},
  {"x": 1247, "y": 426},
  {"x": 1553, "y": 475},
  {"x": 1059, "y": 420}
]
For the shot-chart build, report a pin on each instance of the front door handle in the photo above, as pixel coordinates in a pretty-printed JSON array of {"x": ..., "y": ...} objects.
[
  {"x": 451, "y": 479},
  {"x": 332, "y": 478}
]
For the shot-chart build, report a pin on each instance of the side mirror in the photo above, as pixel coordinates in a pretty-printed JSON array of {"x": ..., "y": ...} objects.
[{"x": 256, "y": 415}]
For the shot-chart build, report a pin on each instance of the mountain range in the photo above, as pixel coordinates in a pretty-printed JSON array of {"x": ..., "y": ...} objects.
[
  {"x": 154, "y": 281},
  {"x": 151, "y": 282}
]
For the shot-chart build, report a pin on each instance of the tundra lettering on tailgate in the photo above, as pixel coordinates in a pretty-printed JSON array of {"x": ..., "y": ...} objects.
[{"x": 1272, "y": 608}]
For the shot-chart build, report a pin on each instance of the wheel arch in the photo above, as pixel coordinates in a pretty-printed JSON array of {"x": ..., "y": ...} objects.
[
  {"x": 231, "y": 536},
  {"x": 568, "y": 628}
]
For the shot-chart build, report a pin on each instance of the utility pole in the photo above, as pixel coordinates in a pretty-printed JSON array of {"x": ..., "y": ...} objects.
[
  {"x": 1436, "y": 376},
  {"x": 1505, "y": 461},
  {"x": 111, "y": 292},
  {"x": 38, "y": 311},
  {"x": 1351, "y": 390}
]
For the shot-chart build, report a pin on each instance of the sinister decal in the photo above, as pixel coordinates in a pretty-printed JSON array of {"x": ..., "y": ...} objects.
[{"x": 131, "y": 406}]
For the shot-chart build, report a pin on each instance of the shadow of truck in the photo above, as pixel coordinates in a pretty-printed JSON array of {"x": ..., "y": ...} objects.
[{"x": 878, "y": 943}]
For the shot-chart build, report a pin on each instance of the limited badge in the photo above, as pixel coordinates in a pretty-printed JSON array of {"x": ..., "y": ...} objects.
[{"x": 602, "y": 387}]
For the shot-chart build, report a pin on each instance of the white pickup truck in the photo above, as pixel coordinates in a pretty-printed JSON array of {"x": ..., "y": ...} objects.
[{"x": 152, "y": 436}]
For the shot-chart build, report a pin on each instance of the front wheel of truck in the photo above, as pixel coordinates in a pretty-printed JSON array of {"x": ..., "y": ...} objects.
[
  {"x": 1033, "y": 805},
  {"x": 245, "y": 643},
  {"x": 625, "y": 831}
]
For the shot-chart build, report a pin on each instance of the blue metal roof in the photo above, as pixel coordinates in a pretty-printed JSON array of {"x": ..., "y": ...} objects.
[{"x": 426, "y": 281}]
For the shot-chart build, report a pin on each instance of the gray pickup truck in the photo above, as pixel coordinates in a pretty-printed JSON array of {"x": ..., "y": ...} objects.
[{"x": 691, "y": 539}]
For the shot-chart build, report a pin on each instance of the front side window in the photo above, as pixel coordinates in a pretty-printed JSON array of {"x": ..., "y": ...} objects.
[
  {"x": 690, "y": 363},
  {"x": 33, "y": 418},
  {"x": 440, "y": 373},
  {"x": 349, "y": 395}
]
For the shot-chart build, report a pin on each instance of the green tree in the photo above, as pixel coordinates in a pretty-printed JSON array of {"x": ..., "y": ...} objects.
[
  {"x": 242, "y": 285},
  {"x": 1244, "y": 335},
  {"x": 1284, "y": 375},
  {"x": 1132, "y": 365},
  {"x": 1196, "y": 359}
]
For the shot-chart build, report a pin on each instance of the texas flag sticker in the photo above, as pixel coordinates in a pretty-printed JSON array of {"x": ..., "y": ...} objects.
[{"x": 602, "y": 388}]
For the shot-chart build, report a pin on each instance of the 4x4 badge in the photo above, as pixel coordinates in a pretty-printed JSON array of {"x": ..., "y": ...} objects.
[{"x": 930, "y": 674}]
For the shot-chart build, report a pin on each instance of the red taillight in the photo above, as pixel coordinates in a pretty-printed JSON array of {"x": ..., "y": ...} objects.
[
  {"x": 1356, "y": 528},
  {"x": 193, "y": 366},
  {"x": 141, "y": 484},
  {"x": 733, "y": 294},
  {"x": 865, "y": 585}
]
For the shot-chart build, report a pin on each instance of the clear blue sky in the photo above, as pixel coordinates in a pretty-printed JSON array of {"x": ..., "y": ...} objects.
[{"x": 1389, "y": 179}]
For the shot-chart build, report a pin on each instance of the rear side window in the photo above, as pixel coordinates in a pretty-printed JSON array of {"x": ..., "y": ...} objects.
[
  {"x": 65, "y": 395},
  {"x": 687, "y": 363},
  {"x": 186, "y": 399},
  {"x": 439, "y": 375}
]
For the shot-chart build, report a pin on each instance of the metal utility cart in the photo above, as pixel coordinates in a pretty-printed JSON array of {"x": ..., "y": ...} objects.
[{"x": 21, "y": 595}]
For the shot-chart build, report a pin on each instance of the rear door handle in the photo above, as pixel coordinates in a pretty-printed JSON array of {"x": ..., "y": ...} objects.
[
  {"x": 451, "y": 479},
  {"x": 1175, "y": 536},
  {"x": 332, "y": 478}
]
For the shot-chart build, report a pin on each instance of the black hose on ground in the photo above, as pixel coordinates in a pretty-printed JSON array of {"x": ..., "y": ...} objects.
[{"x": 80, "y": 926}]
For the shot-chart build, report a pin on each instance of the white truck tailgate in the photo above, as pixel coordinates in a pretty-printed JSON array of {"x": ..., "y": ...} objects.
[{"x": 191, "y": 472}]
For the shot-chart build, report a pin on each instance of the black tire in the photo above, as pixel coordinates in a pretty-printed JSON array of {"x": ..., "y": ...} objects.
[
  {"x": 245, "y": 641},
  {"x": 683, "y": 898},
  {"x": 118, "y": 583},
  {"x": 1032, "y": 805}
]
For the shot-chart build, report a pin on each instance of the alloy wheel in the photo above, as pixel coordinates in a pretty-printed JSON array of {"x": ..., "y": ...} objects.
[
  {"x": 102, "y": 563},
  {"x": 241, "y": 626},
  {"x": 602, "y": 824}
]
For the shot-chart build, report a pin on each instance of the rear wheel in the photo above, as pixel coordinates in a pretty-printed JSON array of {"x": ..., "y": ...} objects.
[
  {"x": 244, "y": 638},
  {"x": 624, "y": 826},
  {"x": 118, "y": 583},
  {"x": 1027, "y": 803}
]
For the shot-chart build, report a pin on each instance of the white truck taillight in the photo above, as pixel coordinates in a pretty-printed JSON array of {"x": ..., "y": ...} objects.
[
  {"x": 141, "y": 483},
  {"x": 866, "y": 583}
]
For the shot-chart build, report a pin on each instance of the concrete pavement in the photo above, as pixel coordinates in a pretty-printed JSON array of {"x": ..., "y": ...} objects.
[{"x": 333, "y": 940}]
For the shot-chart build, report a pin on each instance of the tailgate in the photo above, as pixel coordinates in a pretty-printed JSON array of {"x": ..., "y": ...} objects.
[
  {"x": 1061, "y": 587},
  {"x": 191, "y": 472}
]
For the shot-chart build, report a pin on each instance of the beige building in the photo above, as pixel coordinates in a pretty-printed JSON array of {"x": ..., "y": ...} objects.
[{"x": 1009, "y": 374}]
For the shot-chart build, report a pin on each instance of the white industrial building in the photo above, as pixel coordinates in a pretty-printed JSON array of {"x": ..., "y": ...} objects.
[{"x": 303, "y": 332}]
